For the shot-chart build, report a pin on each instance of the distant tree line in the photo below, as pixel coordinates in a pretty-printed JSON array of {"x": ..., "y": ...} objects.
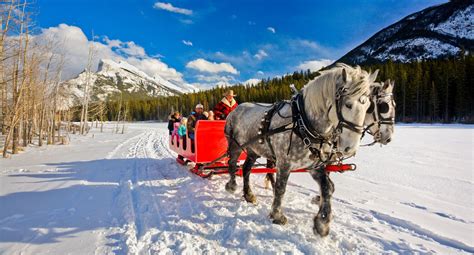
[
  {"x": 433, "y": 90},
  {"x": 425, "y": 91}
]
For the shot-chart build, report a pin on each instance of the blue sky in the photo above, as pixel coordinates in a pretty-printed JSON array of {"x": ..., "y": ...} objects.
[{"x": 231, "y": 41}]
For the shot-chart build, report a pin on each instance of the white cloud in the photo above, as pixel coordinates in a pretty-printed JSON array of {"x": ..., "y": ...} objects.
[
  {"x": 169, "y": 7},
  {"x": 72, "y": 41},
  {"x": 112, "y": 43},
  {"x": 260, "y": 55},
  {"x": 314, "y": 65},
  {"x": 131, "y": 49},
  {"x": 314, "y": 47},
  {"x": 252, "y": 81},
  {"x": 271, "y": 29},
  {"x": 211, "y": 67},
  {"x": 238, "y": 59},
  {"x": 188, "y": 43},
  {"x": 260, "y": 73},
  {"x": 215, "y": 78},
  {"x": 186, "y": 21}
]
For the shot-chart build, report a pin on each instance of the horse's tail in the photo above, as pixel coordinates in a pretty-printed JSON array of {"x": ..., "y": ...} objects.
[{"x": 228, "y": 130}]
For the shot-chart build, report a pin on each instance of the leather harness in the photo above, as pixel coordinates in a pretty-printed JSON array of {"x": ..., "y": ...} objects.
[{"x": 302, "y": 127}]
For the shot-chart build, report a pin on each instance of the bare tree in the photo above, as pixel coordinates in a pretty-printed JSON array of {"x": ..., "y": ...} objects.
[
  {"x": 87, "y": 90},
  {"x": 30, "y": 82}
]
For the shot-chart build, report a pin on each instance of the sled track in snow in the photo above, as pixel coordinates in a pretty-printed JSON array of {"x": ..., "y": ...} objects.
[{"x": 151, "y": 165}]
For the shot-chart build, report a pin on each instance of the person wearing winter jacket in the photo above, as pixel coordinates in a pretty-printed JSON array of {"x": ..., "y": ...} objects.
[
  {"x": 182, "y": 131},
  {"x": 225, "y": 106},
  {"x": 174, "y": 117},
  {"x": 194, "y": 118},
  {"x": 182, "y": 128}
]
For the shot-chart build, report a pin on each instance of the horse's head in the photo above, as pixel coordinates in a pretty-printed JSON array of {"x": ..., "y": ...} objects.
[
  {"x": 352, "y": 102},
  {"x": 380, "y": 116}
]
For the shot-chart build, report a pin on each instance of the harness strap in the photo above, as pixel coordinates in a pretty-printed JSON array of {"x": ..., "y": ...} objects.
[
  {"x": 303, "y": 127},
  {"x": 265, "y": 132}
]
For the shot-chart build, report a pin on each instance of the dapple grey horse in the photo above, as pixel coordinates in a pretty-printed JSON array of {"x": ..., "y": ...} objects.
[
  {"x": 379, "y": 121},
  {"x": 350, "y": 88}
]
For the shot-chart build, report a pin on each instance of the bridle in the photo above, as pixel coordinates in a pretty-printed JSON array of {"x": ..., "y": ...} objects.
[
  {"x": 343, "y": 123},
  {"x": 378, "y": 108}
]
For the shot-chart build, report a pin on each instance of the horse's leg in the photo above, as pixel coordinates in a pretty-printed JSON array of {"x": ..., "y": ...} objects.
[
  {"x": 279, "y": 190},
  {"x": 246, "y": 170},
  {"x": 270, "y": 177},
  {"x": 323, "y": 218},
  {"x": 234, "y": 151}
]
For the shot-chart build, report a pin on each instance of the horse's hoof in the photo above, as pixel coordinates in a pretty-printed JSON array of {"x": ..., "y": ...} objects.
[
  {"x": 278, "y": 218},
  {"x": 251, "y": 198},
  {"x": 281, "y": 220},
  {"x": 231, "y": 187},
  {"x": 321, "y": 227}
]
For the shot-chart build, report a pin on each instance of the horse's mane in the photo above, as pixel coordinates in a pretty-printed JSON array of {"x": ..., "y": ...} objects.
[{"x": 323, "y": 88}]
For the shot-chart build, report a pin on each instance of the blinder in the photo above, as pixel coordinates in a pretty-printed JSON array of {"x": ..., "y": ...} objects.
[{"x": 383, "y": 107}]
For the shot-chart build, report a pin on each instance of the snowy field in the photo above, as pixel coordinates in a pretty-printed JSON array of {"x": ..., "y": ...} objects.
[{"x": 124, "y": 194}]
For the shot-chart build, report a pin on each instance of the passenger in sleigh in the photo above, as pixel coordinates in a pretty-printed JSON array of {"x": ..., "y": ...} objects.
[
  {"x": 175, "y": 117},
  {"x": 174, "y": 134},
  {"x": 173, "y": 121},
  {"x": 195, "y": 116},
  {"x": 225, "y": 106},
  {"x": 209, "y": 115},
  {"x": 182, "y": 131}
]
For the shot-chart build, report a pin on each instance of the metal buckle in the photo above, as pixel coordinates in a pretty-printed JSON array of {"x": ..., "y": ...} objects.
[{"x": 306, "y": 141}]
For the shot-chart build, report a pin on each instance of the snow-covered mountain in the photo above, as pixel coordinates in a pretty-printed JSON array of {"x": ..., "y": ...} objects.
[
  {"x": 436, "y": 32},
  {"x": 114, "y": 77}
]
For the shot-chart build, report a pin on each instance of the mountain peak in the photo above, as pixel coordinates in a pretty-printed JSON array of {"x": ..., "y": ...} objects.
[
  {"x": 119, "y": 76},
  {"x": 439, "y": 31}
]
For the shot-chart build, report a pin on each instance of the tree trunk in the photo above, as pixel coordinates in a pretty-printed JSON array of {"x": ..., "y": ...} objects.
[{"x": 16, "y": 135}]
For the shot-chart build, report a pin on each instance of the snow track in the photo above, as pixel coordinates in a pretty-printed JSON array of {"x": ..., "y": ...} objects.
[
  {"x": 172, "y": 210},
  {"x": 138, "y": 200}
]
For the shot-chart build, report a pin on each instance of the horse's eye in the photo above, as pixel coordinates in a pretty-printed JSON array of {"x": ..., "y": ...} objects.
[
  {"x": 383, "y": 107},
  {"x": 348, "y": 105}
]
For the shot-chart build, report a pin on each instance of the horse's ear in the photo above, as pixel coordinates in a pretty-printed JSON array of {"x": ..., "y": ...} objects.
[
  {"x": 373, "y": 76},
  {"x": 344, "y": 75},
  {"x": 388, "y": 85}
]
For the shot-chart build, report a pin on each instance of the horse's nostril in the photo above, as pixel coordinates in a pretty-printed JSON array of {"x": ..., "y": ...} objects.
[
  {"x": 347, "y": 149},
  {"x": 388, "y": 140}
]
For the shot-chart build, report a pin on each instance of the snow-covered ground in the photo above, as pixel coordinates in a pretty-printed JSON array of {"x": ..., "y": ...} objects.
[{"x": 124, "y": 194}]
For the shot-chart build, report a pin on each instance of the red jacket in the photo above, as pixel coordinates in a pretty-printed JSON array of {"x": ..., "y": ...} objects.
[{"x": 223, "y": 108}]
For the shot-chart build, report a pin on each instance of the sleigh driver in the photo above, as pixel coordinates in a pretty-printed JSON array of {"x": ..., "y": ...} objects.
[{"x": 225, "y": 106}]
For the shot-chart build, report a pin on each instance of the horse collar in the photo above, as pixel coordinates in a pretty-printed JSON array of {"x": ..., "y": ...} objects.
[{"x": 302, "y": 125}]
